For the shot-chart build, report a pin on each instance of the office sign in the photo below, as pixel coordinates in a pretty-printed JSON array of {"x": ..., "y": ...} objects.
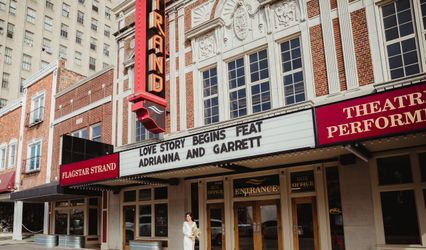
[
  {"x": 149, "y": 98},
  {"x": 96, "y": 169},
  {"x": 392, "y": 112},
  {"x": 271, "y": 135}
]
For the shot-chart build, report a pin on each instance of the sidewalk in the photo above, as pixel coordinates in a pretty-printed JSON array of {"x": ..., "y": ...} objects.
[{"x": 25, "y": 244}]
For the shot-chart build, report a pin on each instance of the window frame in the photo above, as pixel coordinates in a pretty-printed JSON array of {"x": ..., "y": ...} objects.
[
  {"x": 48, "y": 23},
  {"x": 12, "y": 163},
  {"x": 8, "y": 56},
  {"x": 3, "y": 156},
  {"x": 416, "y": 186},
  {"x": 26, "y": 62},
  {"x": 34, "y": 99},
  {"x": 77, "y": 59},
  {"x": 10, "y": 30},
  {"x": 5, "y": 80},
  {"x": 65, "y": 10},
  {"x": 203, "y": 98},
  {"x": 30, "y": 18},
  {"x": 64, "y": 31},
  {"x": 99, "y": 137},
  {"x": 12, "y": 7},
  {"x": 28, "y": 38},
  {"x": 78, "y": 133},
  {"x": 27, "y": 165}
]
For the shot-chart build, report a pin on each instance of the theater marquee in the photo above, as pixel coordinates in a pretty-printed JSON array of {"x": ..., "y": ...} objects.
[
  {"x": 148, "y": 100},
  {"x": 272, "y": 135},
  {"x": 393, "y": 112}
]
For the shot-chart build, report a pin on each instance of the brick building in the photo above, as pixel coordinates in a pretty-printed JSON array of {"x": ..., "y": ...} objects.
[{"x": 253, "y": 89}]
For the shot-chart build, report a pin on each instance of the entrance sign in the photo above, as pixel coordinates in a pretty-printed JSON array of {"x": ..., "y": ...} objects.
[
  {"x": 148, "y": 100},
  {"x": 392, "y": 112},
  {"x": 257, "y": 186},
  {"x": 260, "y": 137},
  {"x": 96, "y": 169}
]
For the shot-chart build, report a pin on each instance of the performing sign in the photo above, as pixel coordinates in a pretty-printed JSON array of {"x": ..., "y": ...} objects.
[
  {"x": 148, "y": 100},
  {"x": 392, "y": 112},
  {"x": 96, "y": 169},
  {"x": 260, "y": 137}
]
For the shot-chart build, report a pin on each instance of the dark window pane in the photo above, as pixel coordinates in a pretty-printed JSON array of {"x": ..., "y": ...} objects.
[
  {"x": 61, "y": 222},
  {"x": 389, "y": 21},
  {"x": 397, "y": 73},
  {"x": 424, "y": 196},
  {"x": 145, "y": 194},
  {"x": 406, "y": 29},
  {"x": 400, "y": 217},
  {"x": 130, "y": 196},
  {"x": 335, "y": 209},
  {"x": 161, "y": 220},
  {"x": 391, "y": 34},
  {"x": 302, "y": 182},
  {"x": 395, "y": 62},
  {"x": 145, "y": 220},
  {"x": 394, "y": 170},
  {"x": 93, "y": 201},
  {"x": 402, "y": 5},
  {"x": 422, "y": 163},
  {"x": 394, "y": 49},
  {"x": 93, "y": 221},
  {"x": 411, "y": 70},
  {"x": 76, "y": 222},
  {"x": 388, "y": 9},
  {"x": 160, "y": 193}
]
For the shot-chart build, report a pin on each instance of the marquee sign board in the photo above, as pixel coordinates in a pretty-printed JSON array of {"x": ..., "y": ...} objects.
[
  {"x": 148, "y": 100},
  {"x": 260, "y": 137},
  {"x": 391, "y": 112}
]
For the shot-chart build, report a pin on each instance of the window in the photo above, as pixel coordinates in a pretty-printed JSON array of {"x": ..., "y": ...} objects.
[
  {"x": 258, "y": 87},
  {"x": 46, "y": 43},
  {"x": 12, "y": 7},
  {"x": 95, "y": 5},
  {"x": 49, "y": 4},
  {"x": 94, "y": 25},
  {"x": 3, "y": 102},
  {"x": 28, "y": 38},
  {"x": 65, "y": 10},
  {"x": 210, "y": 96},
  {"x": 64, "y": 30},
  {"x": 82, "y": 133},
  {"x": 21, "y": 85},
  {"x": 105, "y": 65},
  {"x": 106, "y": 49},
  {"x": 400, "y": 39},
  {"x": 397, "y": 189},
  {"x": 107, "y": 31},
  {"x": 2, "y": 156},
  {"x": 2, "y": 4},
  {"x": 95, "y": 132},
  {"x": 77, "y": 58},
  {"x": 78, "y": 37},
  {"x": 1, "y": 27},
  {"x": 48, "y": 23},
  {"x": 31, "y": 15},
  {"x": 107, "y": 13},
  {"x": 10, "y": 30},
  {"x": 12, "y": 154},
  {"x": 37, "y": 109},
  {"x": 92, "y": 63},
  {"x": 81, "y": 1},
  {"x": 5, "y": 80},
  {"x": 292, "y": 72},
  {"x": 142, "y": 134},
  {"x": 153, "y": 213},
  {"x": 44, "y": 64},
  {"x": 63, "y": 51},
  {"x": 80, "y": 17},
  {"x": 93, "y": 43},
  {"x": 26, "y": 62},
  {"x": 33, "y": 157},
  {"x": 8, "y": 55}
]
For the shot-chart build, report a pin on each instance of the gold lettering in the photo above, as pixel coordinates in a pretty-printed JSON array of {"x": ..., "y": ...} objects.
[
  {"x": 155, "y": 83},
  {"x": 156, "y": 42},
  {"x": 156, "y": 21},
  {"x": 156, "y": 63}
]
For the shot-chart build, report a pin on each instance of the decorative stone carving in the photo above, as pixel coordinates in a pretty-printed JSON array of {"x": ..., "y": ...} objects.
[
  {"x": 207, "y": 46},
  {"x": 285, "y": 13},
  {"x": 241, "y": 22},
  {"x": 237, "y": 13},
  {"x": 201, "y": 13}
]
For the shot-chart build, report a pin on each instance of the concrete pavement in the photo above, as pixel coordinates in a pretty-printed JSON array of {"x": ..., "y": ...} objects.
[{"x": 25, "y": 244}]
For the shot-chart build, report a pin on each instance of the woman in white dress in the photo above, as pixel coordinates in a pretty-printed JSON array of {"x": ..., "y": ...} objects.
[{"x": 188, "y": 227}]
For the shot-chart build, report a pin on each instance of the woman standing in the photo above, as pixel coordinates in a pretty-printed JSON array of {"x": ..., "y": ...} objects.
[{"x": 189, "y": 226}]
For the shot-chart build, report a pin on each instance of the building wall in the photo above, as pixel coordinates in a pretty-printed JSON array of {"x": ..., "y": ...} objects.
[
  {"x": 42, "y": 57},
  {"x": 73, "y": 102},
  {"x": 10, "y": 133}
]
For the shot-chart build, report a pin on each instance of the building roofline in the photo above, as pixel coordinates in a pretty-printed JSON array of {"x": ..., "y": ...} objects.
[
  {"x": 41, "y": 74},
  {"x": 83, "y": 81},
  {"x": 17, "y": 103}
]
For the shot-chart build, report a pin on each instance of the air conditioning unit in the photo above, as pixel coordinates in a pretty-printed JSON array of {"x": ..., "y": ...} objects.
[{"x": 47, "y": 50}]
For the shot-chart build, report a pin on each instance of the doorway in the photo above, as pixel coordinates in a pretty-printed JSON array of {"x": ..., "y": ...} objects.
[
  {"x": 305, "y": 224},
  {"x": 257, "y": 225},
  {"x": 129, "y": 225},
  {"x": 216, "y": 226}
]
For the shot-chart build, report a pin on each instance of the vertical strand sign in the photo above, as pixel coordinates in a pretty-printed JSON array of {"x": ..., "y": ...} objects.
[{"x": 149, "y": 101}]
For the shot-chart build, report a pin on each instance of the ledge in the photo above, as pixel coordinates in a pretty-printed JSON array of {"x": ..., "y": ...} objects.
[{"x": 204, "y": 28}]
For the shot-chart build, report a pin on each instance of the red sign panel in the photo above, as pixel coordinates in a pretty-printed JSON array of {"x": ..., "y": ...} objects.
[
  {"x": 391, "y": 112},
  {"x": 148, "y": 100},
  {"x": 96, "y": 169}
]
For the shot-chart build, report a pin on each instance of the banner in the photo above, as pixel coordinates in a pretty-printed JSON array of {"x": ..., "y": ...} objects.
[
  {"x": 149, "y": 98},
  {"x": 392, "y": 112}
]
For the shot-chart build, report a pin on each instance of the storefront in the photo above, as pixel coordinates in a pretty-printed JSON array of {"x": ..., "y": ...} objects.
[{"x": 7, "y": 183}]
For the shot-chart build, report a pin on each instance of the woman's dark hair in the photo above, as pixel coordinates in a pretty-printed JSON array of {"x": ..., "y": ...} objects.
[{"x": 190, "y": 215}]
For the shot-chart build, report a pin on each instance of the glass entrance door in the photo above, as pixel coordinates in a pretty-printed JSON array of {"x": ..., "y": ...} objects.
[
  {"x": 305, "y": 226},
  {"x": 129, "y": 219},
  {"x": 257, "y": 225},
  {"x": 216, "y": 227}
]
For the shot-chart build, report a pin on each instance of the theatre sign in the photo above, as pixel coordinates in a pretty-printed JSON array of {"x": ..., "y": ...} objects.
[
  {"x": 393, "y": 112},
  {"x": 260, "y": 137}
]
